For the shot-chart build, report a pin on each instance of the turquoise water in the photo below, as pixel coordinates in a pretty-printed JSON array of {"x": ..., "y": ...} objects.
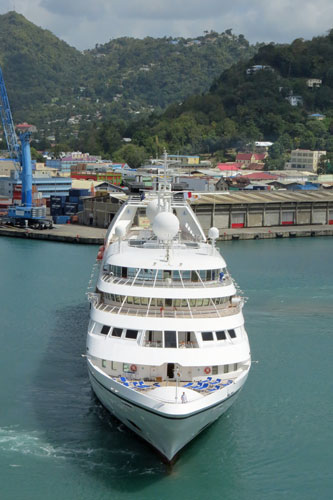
[{"x": 56, "y": 441}]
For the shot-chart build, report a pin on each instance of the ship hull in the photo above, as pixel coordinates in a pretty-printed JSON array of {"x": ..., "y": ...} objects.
[{"x": 167, "y": 433}]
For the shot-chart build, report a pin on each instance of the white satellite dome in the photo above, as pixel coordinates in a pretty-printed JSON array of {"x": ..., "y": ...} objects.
[
  {"x": 120, "y": 231},
  {"x": 165, "y": 225},
  {"x": 213, "y": 233},
  {"x": 152, "y": 210}
]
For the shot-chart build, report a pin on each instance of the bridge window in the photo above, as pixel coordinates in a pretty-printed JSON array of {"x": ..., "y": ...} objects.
[
  {"x": 221, "y": 335},
  {"x": 170, "y": 339},
  {"x": 207, "y": 336},
  {"x": 116, "y": 332},
  {"x": 153, "y": 338},
  {"x": 105, "y": 329},
  {"x": 232, "y": 334},
  {"x": 131, "y": 334}
]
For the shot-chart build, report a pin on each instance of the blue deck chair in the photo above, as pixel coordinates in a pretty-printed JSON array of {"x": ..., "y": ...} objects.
[
  {"x": 124, "y": 381},
  {"x": 156, "y": 384},
  {"x": 142, "y": 385},
  {"x": 216, "y": 381},
  {"x": 188, "y": 384},
  {"x": 202, "y": 387},
  {"x": 215, "y": 388}
]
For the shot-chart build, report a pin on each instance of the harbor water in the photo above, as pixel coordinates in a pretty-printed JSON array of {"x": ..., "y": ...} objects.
[{"x": 56, "y": 440}]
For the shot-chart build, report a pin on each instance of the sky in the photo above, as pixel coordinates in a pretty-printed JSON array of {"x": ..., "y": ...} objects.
[{"x": 84, "y": 23}]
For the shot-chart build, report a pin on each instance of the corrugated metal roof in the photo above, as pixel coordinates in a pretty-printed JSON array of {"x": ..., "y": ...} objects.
[{"x": 244, "y": 197}]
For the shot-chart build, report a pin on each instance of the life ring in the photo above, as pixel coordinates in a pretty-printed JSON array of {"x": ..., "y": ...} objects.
[
  {"x": 99, "y": 256},
  {"x": 133, "y": 368},
  {"x": 207, "y": 370}
]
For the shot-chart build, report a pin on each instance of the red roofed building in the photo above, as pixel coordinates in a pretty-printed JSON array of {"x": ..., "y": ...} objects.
[
  {"x": 256, "y": 166},
  {"x": 228, "y": 167},
  {"x": 261, "y": 176},
  {"x": 248, "y": 158}
]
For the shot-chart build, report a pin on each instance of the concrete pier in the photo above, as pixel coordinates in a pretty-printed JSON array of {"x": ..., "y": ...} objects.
[
  {"x": 70, "y": 233},
  {"x": 66, "y": 233},
  {"x": 256, "y": 233}
]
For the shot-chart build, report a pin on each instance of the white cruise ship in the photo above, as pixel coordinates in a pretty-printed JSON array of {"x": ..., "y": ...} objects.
[{"x": 167, "y": 350}]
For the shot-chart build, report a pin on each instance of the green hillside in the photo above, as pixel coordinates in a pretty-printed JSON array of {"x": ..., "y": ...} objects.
[
  {"x": 49, "y": 82},
  {"x": 37, "y": 66},
  {"x": 246, "y": 105}
]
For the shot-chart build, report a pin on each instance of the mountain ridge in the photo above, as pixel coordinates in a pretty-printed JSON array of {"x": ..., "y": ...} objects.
[{"x": 49, "y": 82}]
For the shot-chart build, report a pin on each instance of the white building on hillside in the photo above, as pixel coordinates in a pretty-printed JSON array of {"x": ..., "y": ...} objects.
[{"x": 304, "y": 159}]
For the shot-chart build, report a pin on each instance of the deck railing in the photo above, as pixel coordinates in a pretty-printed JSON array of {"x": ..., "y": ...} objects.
[
  {"x": 169, "y": 283},
  {"x": 160, "y": 312}
]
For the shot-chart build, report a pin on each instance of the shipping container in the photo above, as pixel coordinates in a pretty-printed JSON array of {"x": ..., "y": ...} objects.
[
  {"x": 61, "y": 219},
  {"x": 56, "y": 211},
  {"x": 70, "y": 208},
  {"x": 79, "y": 192},
  {"x": 73, "y": 199},
  {"x": 57, "y": 199}
]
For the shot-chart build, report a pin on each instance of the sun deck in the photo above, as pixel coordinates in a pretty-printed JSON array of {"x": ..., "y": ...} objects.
[{"x": 170, "y": 391}]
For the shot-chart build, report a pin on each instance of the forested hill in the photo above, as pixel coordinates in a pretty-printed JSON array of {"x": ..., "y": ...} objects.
[
  {"x": 249, "y": 102},
  {"x": 49, "y": 81},
  {"x": 166, "y": 70},
  {"x": 37, "y": 66}
]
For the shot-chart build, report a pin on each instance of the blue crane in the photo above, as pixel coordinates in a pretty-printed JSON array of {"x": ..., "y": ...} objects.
[{"x": 20, "y": 152}]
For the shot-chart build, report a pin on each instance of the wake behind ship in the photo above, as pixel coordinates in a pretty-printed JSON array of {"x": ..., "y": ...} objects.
[{"x": 167, "y": 349}]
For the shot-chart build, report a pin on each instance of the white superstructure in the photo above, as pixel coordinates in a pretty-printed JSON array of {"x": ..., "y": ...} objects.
[{"x": 167, "y": 350}]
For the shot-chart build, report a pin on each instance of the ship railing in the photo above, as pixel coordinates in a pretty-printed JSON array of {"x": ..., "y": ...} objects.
[
  {"x": 160, "y": 312},
  {"x": 159, "y": 344},
  {"x": 110, "y": 278}
]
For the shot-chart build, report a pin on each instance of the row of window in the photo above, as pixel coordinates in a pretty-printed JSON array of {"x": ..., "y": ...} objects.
[
  {"x": 170, "y": 339},
  {"x": 126, "y": 367},
  {"x": 162, "y": 302},
  {"x": 221, "y": 335},
  {"x": 117, "y": 332},
  {"x": 160, "y": 274}
]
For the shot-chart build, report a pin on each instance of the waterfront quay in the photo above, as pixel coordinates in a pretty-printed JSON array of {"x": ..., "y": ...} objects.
[
  {"x": 238, "y": 215},
  {"x": 262, "y": 233},
  {"x": 78, "y": 234},
  {"x": 64, "y": 233}
]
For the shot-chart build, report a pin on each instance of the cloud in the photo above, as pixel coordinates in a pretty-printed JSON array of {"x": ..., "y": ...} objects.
[
  {"x": 83, "y": 23},
  {"x": 87, "y": 9}
]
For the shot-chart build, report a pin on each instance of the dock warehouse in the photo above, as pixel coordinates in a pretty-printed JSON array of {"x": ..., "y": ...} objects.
[{"x": 235, "y": 209}]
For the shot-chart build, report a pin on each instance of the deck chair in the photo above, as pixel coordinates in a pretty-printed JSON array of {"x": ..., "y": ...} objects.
[
  {"x": 215, "y": 388},
  {"x": 202, "y": 387},
  {"x": 124, "y": 381},
  {"x": 142, "y": 385}
]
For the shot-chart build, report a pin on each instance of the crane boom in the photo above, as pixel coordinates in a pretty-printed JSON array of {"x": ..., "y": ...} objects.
[{"x": 7, "y": 122}]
